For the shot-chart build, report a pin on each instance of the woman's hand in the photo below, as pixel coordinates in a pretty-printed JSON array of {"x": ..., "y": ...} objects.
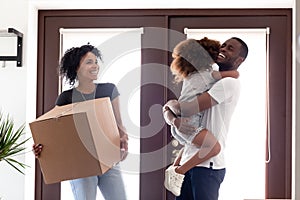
[
  {"x": 37, "y": 149},
  {"x": 124, "y": 146}
]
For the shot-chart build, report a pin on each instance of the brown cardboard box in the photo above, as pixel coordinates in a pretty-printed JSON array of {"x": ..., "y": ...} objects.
[{"x": 79, "y": 140}]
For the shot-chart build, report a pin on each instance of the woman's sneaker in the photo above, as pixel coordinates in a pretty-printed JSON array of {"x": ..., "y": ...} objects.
[{"x": 173, "y": 180}]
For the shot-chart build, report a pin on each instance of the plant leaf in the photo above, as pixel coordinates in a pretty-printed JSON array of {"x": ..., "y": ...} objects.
[{"x": 11, "y": 142}]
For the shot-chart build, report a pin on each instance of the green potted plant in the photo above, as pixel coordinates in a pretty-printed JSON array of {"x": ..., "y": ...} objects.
[{"x": 11, "y": 142}]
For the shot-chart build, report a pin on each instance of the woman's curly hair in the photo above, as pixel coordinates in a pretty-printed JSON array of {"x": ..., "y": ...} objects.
[
  {"x": 194, "y": 55},
  {"x": 70, "y": 61}
]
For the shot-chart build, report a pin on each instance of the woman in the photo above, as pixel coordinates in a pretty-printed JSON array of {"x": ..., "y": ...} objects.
[{"x": 80, "y": 64}]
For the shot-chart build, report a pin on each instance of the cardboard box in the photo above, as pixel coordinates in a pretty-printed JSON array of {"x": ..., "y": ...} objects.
[{"x": 79, "y": 140}]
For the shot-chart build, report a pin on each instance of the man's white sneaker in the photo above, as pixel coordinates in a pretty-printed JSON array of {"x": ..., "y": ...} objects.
[{"x": 173, "y": 180}]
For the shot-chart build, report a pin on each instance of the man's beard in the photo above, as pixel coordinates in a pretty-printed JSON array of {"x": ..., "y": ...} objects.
[{"x": 225, "y": 66}]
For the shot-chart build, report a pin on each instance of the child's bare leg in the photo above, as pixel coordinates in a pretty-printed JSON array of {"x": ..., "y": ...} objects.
[
  {"x": 178, "y": 158},
  {"x": 203, "y": 135},
  {"x": 209, "y": 147}
]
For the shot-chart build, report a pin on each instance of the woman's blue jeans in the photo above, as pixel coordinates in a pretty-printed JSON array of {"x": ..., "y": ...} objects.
[
  {"x": 201, "y": 183},
  {"x": 110, "y": 184}
]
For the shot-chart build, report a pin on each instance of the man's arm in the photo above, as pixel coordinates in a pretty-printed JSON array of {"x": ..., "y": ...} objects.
[
  {"x": 219, "y": 92},
  {"x": 201, "y": 103}
]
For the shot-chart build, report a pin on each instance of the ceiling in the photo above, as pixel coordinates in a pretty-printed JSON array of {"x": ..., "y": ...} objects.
[{"x": 124, "y": 4}]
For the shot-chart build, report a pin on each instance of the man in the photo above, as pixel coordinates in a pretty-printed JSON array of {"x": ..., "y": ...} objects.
[{"x": 203, "y": 182}]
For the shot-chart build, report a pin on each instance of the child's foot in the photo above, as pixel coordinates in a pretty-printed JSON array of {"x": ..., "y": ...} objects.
[{"x": 173, "y": 180}]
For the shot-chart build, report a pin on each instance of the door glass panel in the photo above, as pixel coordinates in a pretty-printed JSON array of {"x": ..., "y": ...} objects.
[
  {"x": 121, "y": 66},
  {"x": 246, "y": 144}
]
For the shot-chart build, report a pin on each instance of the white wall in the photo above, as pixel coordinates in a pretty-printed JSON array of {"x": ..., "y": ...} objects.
[
  {"x": 18, "y": 85},
  {"x": 13, "y": 14}
]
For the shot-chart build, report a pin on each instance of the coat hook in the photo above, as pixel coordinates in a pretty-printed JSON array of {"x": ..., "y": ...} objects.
[{"x": 3, "y": 64}]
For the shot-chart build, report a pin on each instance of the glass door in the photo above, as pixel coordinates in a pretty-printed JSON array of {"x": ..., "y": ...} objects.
[
  {"x": 155, "y": 82},
  {"x": 246, "y": 143},
  {"x": 121, "y": 66}
]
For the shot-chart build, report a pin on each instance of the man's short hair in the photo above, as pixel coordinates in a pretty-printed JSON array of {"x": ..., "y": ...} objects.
[{"x": 244, "y": 50}]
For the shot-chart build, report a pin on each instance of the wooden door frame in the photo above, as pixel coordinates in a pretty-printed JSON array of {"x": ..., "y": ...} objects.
[{"x": 280, "y": 99}]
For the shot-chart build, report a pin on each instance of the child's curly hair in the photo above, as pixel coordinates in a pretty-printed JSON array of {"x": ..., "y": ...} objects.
[
  {"x": 211, "y": 46},
  {"x": 193, "y": 55},
  {"x": 70, "y": 62}
]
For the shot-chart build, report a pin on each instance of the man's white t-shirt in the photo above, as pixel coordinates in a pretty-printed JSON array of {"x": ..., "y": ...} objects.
[{"x": 226, "y": 93}]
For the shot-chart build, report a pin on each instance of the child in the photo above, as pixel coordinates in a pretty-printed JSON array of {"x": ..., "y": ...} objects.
[{"x": 193, "y": 63}]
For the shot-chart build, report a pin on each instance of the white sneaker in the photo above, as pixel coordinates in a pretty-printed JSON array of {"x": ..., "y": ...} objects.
[
  {"x": 173, "y": 180},
  {"x": 167, "y": 177}
]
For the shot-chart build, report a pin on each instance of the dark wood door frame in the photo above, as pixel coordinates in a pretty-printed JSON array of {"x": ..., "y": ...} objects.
[
  {"x": 280, "y": 94},
  {"x": 278, "y": 171}
]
